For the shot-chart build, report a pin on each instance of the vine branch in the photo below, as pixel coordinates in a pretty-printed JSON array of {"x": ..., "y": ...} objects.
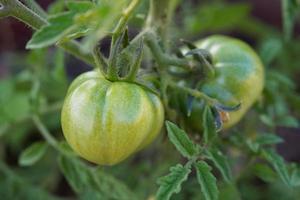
[
  {"x": 164, "y": 58},
  {"x": 123, "y": 21},
  {"x": 195, "y": 93},
  {"x": 45, "y": 133},
  {"x": 33, "y": 5}
]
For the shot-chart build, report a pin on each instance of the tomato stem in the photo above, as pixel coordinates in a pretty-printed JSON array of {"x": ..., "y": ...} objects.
[
  {"x": 33, "y": 5},
  {"x": 44, "y": 131},
  {"x": 162, "y": 58},
  {"x": 123, "y": 22},
  {"x": 159, "y": 18},
  {"x": 195, "y": 93}
]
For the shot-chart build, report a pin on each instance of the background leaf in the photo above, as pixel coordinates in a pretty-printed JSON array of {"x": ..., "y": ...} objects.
[
  {"x": 279, "y": 165},
  {"x": 91, "y": 183},
  {"x": 33, "y": 153}
]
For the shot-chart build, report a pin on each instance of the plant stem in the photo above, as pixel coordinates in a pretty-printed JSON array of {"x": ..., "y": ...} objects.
[
  {"x": 45, "y": 133},
  {"x": 159, "y": 18},
  {"x": 123, "y": 21},
  {"x": 36, "y": 8},
  {"x": 4, "y": 11},
  {"x": 195, "y": 93},
  {"x": 16, "y": 9},
  {"x": 73, "y": 48},
  {"x": 24, "y": 14},
  {"x": 161, "y": 57},
  {"x": 48, "y": 137}
]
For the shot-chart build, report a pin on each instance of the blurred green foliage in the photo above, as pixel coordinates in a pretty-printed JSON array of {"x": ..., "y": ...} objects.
[{"x": 37, "y": 82}]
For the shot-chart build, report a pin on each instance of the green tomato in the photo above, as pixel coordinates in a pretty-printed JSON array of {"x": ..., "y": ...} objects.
[
  {"x": 239, "y": 78},
  {"x": 105, "y": 122}
]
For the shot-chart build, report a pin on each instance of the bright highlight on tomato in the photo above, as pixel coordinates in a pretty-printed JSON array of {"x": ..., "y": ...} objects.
[
  {"x": 239, "y": 78},
  {"x": 105, "y": 122}
]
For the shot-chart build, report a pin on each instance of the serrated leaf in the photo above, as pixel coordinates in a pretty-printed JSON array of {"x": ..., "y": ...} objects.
[
  {"x": 58, "y": 25},
  {"x": 278, "y": 164},
  {"x": 268, "y": 139},
  {"x": 171, "y": 183},
  {"x": 91, "y": 183},
  {"x": 221, "y": 163},
  {"x": 181, "y": 141},
  {"x": 209, "y": 125},
  {"x": 207, "y": 181},
  {"x": 33, "y": 153},
  {"x": 51, "y": 33}
]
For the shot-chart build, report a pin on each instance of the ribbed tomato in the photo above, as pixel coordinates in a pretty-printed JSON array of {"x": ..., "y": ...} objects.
[
  {"x": 105, "y": 122},
  {"x": 239, "y": 78}
]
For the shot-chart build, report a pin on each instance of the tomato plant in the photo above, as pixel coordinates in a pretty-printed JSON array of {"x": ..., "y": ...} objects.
[{"x": 205, "y": 86}]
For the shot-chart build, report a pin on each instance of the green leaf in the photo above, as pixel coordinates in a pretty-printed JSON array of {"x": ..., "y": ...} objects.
[
  {"x": 13, "y": 186},
  {"x": 207, "y": 181},
  {"x": 181, "y": 141},
  {"x": 289, "y": 121},
  {"x": 265, "y": 172},
  {"x": 268, "y": 139},
  {"x": 267, "y": 120},
  {"x": 91, "y": 183},
  {"x": 269, "y": 49},
  {"x": 59, "y": 25},
  {"x": 209, "y": 125},
  {"x": 221, "y": 163},
  {"x": 171, "y": 183},
  {"x": 229, "y": 192},
  {"x": 278, "y": 164},
  {"x": 79, "y": 6},
  {"x": 209, "y": 16},
  {"x": 51, "y": 33},
  {"x": 295, "y": 177},
  {"x": 33, "y": 153}
]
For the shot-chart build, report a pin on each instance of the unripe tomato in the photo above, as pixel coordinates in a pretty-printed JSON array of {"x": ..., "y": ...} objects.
[
  {"x": 239, "y": 78},
  {"x": 105, "y": 122}
]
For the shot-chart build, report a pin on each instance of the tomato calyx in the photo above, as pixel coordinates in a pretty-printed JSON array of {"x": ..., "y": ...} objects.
[{"x": 124, "y": 59}]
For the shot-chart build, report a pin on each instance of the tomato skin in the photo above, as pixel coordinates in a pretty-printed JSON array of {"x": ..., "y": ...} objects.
[
  {"x": 105, "y": 122},
  {"x": 239, "y": 78}
]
